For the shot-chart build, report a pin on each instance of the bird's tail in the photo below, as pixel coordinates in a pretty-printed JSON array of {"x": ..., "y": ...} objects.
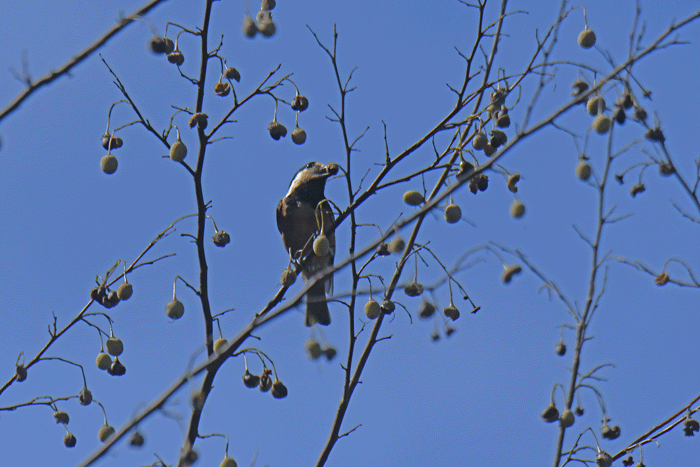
[{"x": 316, "y": 306}]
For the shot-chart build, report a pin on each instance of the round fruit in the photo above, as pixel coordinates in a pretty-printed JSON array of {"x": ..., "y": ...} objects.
[
  {"x": 232, "y": 73},
  {"x": 601, "y": 124},
  {"x": 453, "y": 213},
  {"x": 595, "y": 105},
  {"x": 397, "y": 245},
  {"x": 176, "y": 57},
  {"x": 108, "y": 164},
  {"x": 277, "y": 130},
  {"x": 69, "y": 440},
  {"x": 250, "y": 380},
  {"x": 114, "y": 346},
  {"x": 175, "y": 309},
  {"x": 85, "y": 396},
  {"x": 105, "y": 432},
  {"x": 388, "y": 307},
  {"x": 479, "y": 141},
  {"x": 298, "y": 136},
  {"x": 20, "y": 373},
  {"x": 561, "y": 349},
  {"x": 517, "y": 209},
  {"x": 222, "y": 89},
  {"x": 124, "y": 291},
  {"x": 157, "y": 45},
  {"x": 372, "y": 309},
  {"x": 567, "y": 418},
  {"x": 61, "y": 417},
  {"x": 413, "y": 198},
  {"x": 267, "y": 28},
  {"x": 586, "y": 38},
  {"x": 169, "y": 45},
  {"x": 178, "y": 151},
  {"x": 228, "y": 462},
  {"x": 300, "y": 103},
  {"x": 221, "y": 238},
  {"x": 583, "y": 170},
  {"x": 550, "y": 414},
  {"x": 313, "y": 349},
  {"x": 249, "y": 28},
  {"x": 103, "y": 360},
  {"x": 426, "y": 309},
  {"x": 451, "y": 312},
  {"x": 289, "y": 277},
  {"x": 279, "y": 390},
  {"x": 266, "y": 5},
  {"x": 321, "y": 245},
  {"x": 136, "y": 439},
  {"x": 219, "y": 344}
]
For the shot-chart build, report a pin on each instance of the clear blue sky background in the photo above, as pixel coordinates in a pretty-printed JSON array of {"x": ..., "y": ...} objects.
[{"x": 471, "y": 399}]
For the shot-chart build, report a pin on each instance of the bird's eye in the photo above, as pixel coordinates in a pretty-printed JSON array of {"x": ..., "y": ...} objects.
[{"x": 310, "y": 165}]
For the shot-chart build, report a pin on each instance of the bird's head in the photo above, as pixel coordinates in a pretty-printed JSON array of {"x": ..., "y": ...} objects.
[{"x": 309, "y": 182}]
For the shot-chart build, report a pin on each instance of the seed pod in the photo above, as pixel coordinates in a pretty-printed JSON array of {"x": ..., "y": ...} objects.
[
  {"x": 232, "y": 73},
  {"x": 586, "y": 38},
  {"x": 250, "y": 380},
  {"x": 112, "y": 142},
  {"x": 61, "y": 417},
  {"x": 330, "y": 352},
  {"x": 387, "y": 307},
  {"x": 279, "y": 390},
  {"x": 85, "y": 396},
  {"x": 479, "y": 141},
  {"x": 583, "y": 170},
  {"x": 221, "y": 238},
  {"x": 567, "y": 418},
  {"x": 201, "y": 120},
  {"x": 265, "y": 383},
  {"x": 105, "y": 432},
  {"x": 601, "y": 124},
  {"x": 103, "y": 360},
  {"x": 219, "y": 344},
  {"x": 222, "y": 89},
  {"x": 20, "y": 373},
  {"x": 111, "y": 300},
  {"x": 503, "y": 120},
  {"x": 289, "y": 277},
  {"x": 579, "y": 87},
  {"x": 267, "y": 5},
  {"x": 561, "y": 349},
  {"x": 321, "y": 245},
  {"x": 228, "y": 462},
  {"x": 509, "y": 272},
  {"x": 277, "y": 130},
  {"x": 397, "y": 245},
  {"x": 249, "y": 28},
  {"x": 619, "y": 115},
  {"x": 453, "y": 214},
  {"x": 298, "y": 136},
  {"x": 108, "y": 164},
  {"x": 655, "y": 134},
  {"x": 451, "y": 312},
  {"x": 169, "y": 45},
  {"x": 512, "y": 180},
  {"x": 595, "y": 105},
  {"x": 136, "y": 439},
  {"x": 489, "y": 150},
  {"x": 414, "y": 289},
  {"x": 603, "y": 459},
  {"x": 117, "y": 368},
  {"x": 550, "y": 414},
  {"x": 498, "y": 138},
  {"x": 640, "y": 114},
  {"x": 383, "y": 249},
  {"x": 517, "y": 209},
  {"x": 497, "y": 99},
  {"x": 267, "y": 28},
  {"x": 426, "y": 309},
  {"x": 626, "y": 101},
  {"x": 157, "y": 45},
  {"x": 69, "y": 440},
  {"x": 300, "y": 103},
  {"x": 666, "y": 169},
  {"x": 372, "y": 309},
  {"x": 125, "y": 291},
  {"x": 175, "y": 309},
  {"x": 176, "y": 57},
  {"x": 313, "y": 349},
  {"x": 413, "y": 198},
  {"x": 114, "y": 346},
  {"x": 638, "y": 188}
]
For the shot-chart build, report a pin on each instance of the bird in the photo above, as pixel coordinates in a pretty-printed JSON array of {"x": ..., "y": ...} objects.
[{"x": 298, "y": 224}]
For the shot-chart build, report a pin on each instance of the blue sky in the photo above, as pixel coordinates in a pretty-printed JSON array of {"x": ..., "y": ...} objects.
[{"x": 471, "y": 399}]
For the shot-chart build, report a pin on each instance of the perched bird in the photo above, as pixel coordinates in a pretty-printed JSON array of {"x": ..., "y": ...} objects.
[{"x": 299, "y": 224}]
